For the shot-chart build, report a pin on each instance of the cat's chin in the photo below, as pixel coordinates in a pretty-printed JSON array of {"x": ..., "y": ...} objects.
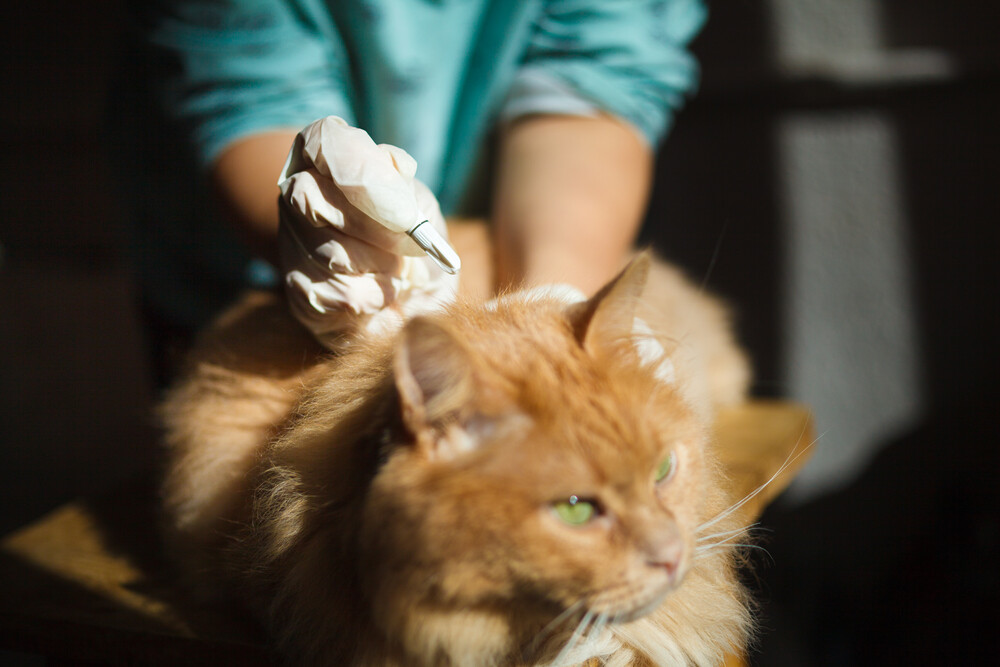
[
  {"x": 642, "y": 605},
  {"x": 644, "y": 610}
]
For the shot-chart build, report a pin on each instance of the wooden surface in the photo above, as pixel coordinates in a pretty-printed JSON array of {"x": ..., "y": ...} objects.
[{"x": 87, "y": 582}]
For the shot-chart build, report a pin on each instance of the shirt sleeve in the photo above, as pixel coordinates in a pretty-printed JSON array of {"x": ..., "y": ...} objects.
[
  {"x": 231, "y": 69},
  {"x": 536, "y": 91},
  {"x": 626, "y": 57}
]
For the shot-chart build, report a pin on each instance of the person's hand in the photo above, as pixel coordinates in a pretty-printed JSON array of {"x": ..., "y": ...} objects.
[{"x": 347, "y": 262}]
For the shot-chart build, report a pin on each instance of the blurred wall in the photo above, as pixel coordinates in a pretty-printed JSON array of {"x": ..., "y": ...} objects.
[
  {"x": 836, "y": 179},
  {"x": 835, "y": 174}
]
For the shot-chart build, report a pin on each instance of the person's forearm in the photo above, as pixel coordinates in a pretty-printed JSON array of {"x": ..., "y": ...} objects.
[
  {"x": 244, "y": 178},
  {"x": 569, "y": 199}
]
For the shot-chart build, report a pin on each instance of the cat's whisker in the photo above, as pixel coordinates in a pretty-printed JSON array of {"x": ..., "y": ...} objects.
[
  {"x": 727, "y": 542},
  {"x": 730, "y": 545},
  {"x": 715, "y": 257},
  {"x": 789, "y": 460},
  {"x": 708, "y": 549},
  {"x": 727, "y": 533},
  {"x": 727, "y": 536},
  {"x": 575, "y": 638},
  {"x": 598, "y": 626},
  {"x": 554, "y": 624}
]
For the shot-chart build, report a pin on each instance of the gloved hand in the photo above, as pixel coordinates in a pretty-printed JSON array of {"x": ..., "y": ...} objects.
[{"x": 347, "y": 262}]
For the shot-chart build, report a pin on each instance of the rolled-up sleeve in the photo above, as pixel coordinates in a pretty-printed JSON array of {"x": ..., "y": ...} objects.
[
  {"x": 231, "y": 69},
  {"x": 627, "y": 57}
]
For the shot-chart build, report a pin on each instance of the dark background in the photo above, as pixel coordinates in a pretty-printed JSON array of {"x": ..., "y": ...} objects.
[{"x": 899, "y": 565}]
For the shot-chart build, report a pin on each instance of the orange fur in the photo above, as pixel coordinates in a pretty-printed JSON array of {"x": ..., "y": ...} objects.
[{"x": 393, "y": 505}]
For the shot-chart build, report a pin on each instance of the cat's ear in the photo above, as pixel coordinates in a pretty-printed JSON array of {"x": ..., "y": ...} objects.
[
  {"x": 609, "y": 315},
  {"x": 433, "y": 373}
]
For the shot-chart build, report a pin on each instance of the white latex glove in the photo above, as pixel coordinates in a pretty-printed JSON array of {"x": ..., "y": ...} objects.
[{"x": 345, "y": 205}]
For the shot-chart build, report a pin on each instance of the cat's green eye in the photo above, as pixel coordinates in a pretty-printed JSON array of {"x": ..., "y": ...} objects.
[
  {"x": 666, "y": 468},
  {"x": 574, "y": 511}
]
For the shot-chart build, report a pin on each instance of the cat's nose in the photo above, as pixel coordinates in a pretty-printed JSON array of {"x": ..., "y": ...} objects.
[
  {"x": 666, "y": 554},
  {"x": 668, "y": 560}
]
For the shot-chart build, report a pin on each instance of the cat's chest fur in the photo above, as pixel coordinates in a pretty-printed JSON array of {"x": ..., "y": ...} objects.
[{"x": 517, "y": 483}]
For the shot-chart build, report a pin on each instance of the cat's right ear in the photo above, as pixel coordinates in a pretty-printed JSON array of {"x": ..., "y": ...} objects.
[
  {"x": 609, "y": 316},
  {"x": 433, "y": 374}
]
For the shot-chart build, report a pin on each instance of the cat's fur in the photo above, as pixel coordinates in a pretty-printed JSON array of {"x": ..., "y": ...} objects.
[{"x": 393, "y": 505}]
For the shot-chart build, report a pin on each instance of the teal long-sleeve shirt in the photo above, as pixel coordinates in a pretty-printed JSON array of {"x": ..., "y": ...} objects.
[{"x": 431, "y": 76}]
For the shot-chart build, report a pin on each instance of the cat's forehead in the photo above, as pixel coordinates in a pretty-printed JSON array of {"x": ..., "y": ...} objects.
[
  {"x": 586, "y": 447},
  {"x": 623, "y": 412},
  {"x": 642, "y": 414},
  {"x": 536, "y": 365}
]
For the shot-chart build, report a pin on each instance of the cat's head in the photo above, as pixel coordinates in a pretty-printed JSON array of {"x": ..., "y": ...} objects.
[{"x": 547, "y": 464}]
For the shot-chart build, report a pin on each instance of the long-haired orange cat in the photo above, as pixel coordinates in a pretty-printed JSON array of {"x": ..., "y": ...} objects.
[{"x": 526, "y": 481}]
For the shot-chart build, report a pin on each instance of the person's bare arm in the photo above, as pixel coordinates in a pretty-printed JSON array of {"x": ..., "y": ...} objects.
[
  {"x": 569, "y": 199},
  {"x": 244, "y": 178}
]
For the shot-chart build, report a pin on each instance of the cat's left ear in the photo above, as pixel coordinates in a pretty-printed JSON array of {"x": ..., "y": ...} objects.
[
  {"x": 433, "y": 373},
  {"x": 609, "y": 316}
]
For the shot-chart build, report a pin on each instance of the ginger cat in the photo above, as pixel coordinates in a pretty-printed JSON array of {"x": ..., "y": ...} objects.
[{"x": 524, "y": 481}]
